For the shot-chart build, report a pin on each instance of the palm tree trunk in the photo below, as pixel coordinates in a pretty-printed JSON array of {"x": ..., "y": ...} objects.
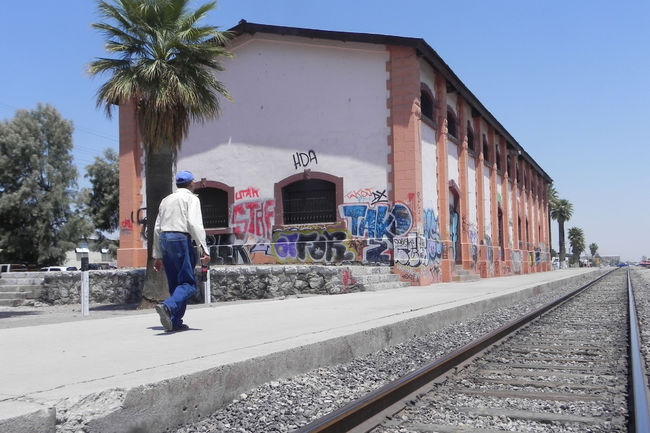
[
  {"x": 562, "y": 246},
  {"x": 158, "y": 172}
]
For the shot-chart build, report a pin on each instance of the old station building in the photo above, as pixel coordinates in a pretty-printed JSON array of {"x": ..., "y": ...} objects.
[{"x": 352, "y": 148}]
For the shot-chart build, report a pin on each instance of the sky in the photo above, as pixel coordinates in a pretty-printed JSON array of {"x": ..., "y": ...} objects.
[{"x": 568, "y": 79}]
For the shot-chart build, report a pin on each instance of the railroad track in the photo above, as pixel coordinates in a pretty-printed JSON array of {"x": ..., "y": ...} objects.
[{"x": 563, "y": 368}]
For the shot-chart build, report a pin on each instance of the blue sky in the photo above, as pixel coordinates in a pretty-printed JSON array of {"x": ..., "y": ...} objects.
[{"x": 569, "y": 79}]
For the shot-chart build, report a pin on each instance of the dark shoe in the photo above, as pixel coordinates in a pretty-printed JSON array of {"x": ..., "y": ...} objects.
[
  {"x": 165, "y": 317},
  {"x": 181, "y": 327}
]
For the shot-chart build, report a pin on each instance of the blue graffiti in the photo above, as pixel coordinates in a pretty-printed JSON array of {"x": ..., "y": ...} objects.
[{"x": 377, "y": 222}]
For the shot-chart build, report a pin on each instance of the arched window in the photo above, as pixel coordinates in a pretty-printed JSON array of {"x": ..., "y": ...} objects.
[
  {"x": 497, "y": 157},
  {"x": 309, "y": 201},
  {"x": 214, "y": 207},
  {"x": 452, "y": 128},
  {"x": 486, "y": 149},
  {"x": 427, "y": 106},
  {"x": 470, "y": 137}
]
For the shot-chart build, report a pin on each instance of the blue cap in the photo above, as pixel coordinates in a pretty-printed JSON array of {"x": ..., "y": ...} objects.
[{"x": 184, "y": 177}]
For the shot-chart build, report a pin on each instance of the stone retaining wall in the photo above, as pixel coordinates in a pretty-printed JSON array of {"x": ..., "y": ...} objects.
[{"x": 228, "y": 283}]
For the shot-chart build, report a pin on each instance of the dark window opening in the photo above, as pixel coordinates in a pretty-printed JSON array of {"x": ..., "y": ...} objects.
[
  {"x": 486, "y": 150},
  {"x": 309, "y": 201},
  {"x": 470, "y": 137},
  {"x": 214, "y": 207},
  {"x": 451, "y": 124},
  {"x": 498, "y": 158},
  {"x": 426, "y": 105}
]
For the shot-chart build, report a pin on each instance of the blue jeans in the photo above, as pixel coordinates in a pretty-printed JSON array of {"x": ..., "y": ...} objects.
[{"x": 179, "y": 259}]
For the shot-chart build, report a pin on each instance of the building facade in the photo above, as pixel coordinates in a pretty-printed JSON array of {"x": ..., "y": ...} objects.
[{"x": 351, "y": 148}]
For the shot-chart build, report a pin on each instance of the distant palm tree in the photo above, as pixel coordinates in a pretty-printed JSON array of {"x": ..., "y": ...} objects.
[
  {"x": 166, "y": 67},
  {"x": 561, "y": 211},
  {"x": 577, "y": 240},
  {"x": 593, "y": 249}
]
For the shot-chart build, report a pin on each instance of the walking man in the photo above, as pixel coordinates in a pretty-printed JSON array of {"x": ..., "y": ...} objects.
[{"x": 179, "y": 222}]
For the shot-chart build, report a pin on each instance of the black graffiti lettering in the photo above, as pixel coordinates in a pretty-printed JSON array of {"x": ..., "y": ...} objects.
[{"x": 302, "y": 159}]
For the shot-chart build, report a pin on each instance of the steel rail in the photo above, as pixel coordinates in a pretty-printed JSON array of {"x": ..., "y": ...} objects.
[
  {"x": 639, "y": 410},
  {"x": 356, "y": 412}
]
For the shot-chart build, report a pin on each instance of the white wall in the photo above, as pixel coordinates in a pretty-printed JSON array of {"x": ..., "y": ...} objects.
[{"x": 292, "y": 97}]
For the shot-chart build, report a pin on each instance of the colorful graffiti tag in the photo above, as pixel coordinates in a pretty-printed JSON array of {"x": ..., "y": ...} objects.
[
  {"x": 254, "y": 217},
  {"x": 312, "y": 245},
  {"x": 378, "y": 225}
]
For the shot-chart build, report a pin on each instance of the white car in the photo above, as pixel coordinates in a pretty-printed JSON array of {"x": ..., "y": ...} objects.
[{"x": 58, "y": 268}]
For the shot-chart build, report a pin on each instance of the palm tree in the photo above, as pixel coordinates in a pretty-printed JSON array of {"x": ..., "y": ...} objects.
[
  {"x": 593, "y": 249},
  {"x": 165, "y": 66},
  {"x": 577, "y": 240},
  {"x": 561, "y": 211}
]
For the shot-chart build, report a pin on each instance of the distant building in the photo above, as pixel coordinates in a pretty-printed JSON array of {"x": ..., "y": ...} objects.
[{"x": 352, "y": 148}]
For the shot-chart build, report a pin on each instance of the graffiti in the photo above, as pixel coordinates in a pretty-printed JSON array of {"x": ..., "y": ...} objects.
[
  {"x": 311, "y": 245},
  {"x": 249, "y": 192},
  {"x": 254, "y": 217},
  {"x": 473, "y": 240},
  {"x": 377, "y": 222},
  {"x": 453, "y": 228},
  {"x": 432, "y": 236},
  {"x": 367, "y": 194},
  {"x": 126, "y": 225},
  {"x": 302, "y": 159},
  {"x": 411, "y": 251},
  {"x": 379, "y": 225},
  {"x": 224, "y": 252},
  {"x": 347, "y": 279}
]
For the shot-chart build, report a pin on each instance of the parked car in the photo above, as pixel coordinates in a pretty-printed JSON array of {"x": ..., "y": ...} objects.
[{"x": 59, "y": 268}]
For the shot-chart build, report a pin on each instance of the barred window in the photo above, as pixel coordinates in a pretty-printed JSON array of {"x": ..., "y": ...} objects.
[
  {"x": 214, "y": 207},
  {"x": 309, "y": 201}
]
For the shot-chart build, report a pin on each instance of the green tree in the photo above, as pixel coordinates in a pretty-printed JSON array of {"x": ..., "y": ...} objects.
[
  {"x": 37, "y": 183},
  {"x": 166, "y": 66},
  {"x": 577, "y": 241},
  {"x": 561, "y": 211},
  {"x": 101, "y": 201}
]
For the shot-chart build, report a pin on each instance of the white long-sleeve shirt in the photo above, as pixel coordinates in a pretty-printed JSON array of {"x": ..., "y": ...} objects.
[{"x": 179, "y": 212}]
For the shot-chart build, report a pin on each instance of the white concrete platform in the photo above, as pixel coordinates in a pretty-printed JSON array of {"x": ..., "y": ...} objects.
[{"x": 124, "y": 374}]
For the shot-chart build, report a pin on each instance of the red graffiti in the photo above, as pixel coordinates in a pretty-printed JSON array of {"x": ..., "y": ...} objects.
[
  {"x": 250, "y": 192},
  {"x": 126, "y": 225},
  {"x": 254, "y": 217},
  {"x": 348, "y": 279}
]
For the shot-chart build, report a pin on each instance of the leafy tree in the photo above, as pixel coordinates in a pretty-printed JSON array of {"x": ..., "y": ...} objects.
[
  {"x": 577, "y": 240},
  {"x": 166, "y": 67},
  {"x": 561, "y": 211},
  {"x": 102, "y": 199},
  {"x": 37, "y": 182}
]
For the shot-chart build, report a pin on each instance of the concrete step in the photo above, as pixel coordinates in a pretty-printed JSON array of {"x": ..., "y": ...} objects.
[
  {"x": 375, "y": 278},
  {"x": 11, "y": 302},
  {"x": 19, "y": 288},
  {"x": 375, "y": 287},
  {"x": 464, "y": 275},
  {"x": 11, "y": 281},
  {"x": 13, "y": 295},
  {"x": 366, "y": 270}
]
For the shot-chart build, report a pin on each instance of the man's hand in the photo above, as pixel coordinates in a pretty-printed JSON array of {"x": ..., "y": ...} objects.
[
  {"x": 157, "y": 264},
  {"x": 205, "y": 259}
]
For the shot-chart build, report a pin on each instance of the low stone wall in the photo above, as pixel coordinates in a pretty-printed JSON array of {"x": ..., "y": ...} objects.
[
  {"x": 105, "y": 287},
  {"x": 228, "y": 283}
]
